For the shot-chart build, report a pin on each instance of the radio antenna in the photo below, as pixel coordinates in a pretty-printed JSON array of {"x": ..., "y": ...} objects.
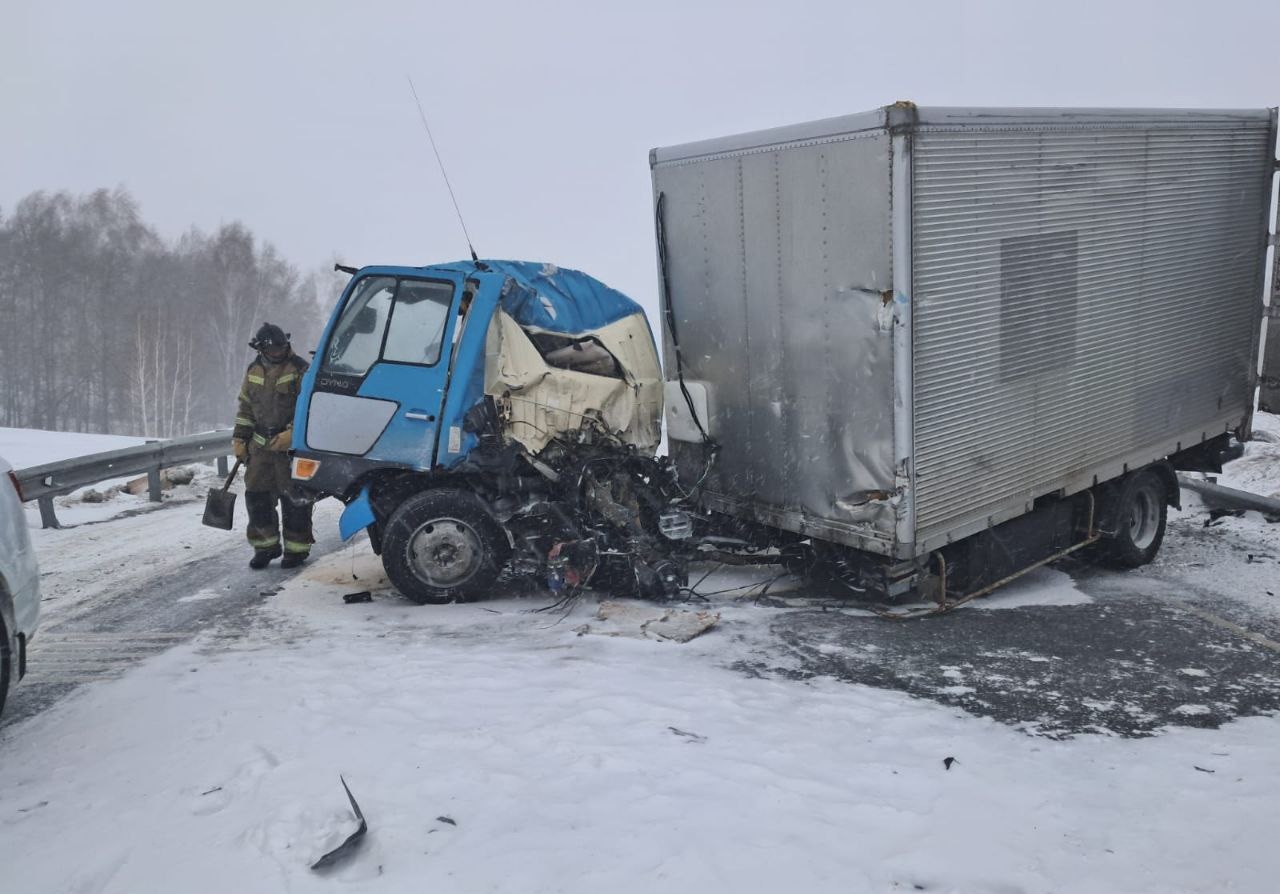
[{"x": 423, "y": 115}]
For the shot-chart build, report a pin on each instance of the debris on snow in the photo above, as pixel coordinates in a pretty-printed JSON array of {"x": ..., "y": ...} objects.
[
  {"x": 349, "y": 844},
  {"x": 647, "y": 621},
  {"x": 169, "y": 479},
  {"x": 691, "y": 737}
]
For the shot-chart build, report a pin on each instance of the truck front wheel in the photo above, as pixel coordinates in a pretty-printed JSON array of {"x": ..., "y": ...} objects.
[
  {"x": 1140, "y": 514},
  {"x": 442, "y": 545}
]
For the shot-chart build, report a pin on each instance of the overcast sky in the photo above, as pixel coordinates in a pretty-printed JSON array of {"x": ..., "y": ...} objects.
[{"x": 297, "y": 119}]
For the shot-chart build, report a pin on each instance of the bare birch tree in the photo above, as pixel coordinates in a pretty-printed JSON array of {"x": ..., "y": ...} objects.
[{"x": 104, "y": 327}]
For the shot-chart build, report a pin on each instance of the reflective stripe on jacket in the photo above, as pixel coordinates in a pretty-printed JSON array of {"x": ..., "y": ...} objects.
[{"x": 267, "y": 398}]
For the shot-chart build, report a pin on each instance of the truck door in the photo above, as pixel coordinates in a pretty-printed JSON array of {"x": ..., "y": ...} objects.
[{"x": 382, "y": 375}]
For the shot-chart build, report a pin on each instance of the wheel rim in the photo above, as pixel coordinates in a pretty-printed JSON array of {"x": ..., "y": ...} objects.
[
  {"x": 1144, "y": 517},
  {"x": 445, "y": 552}
]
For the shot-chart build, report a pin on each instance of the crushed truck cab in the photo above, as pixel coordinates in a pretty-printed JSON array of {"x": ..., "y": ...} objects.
[{"x": 482, "y": 415}]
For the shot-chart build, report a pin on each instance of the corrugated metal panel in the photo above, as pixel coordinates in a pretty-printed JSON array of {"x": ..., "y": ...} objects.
[{"x": 1078, "y": 293}]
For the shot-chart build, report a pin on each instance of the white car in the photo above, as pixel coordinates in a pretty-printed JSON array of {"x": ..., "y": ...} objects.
[{"x": 19, "y": 584}]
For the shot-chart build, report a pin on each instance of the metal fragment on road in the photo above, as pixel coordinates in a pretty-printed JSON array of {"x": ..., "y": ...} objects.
[
  {"x": 353, "y": 840},
  {"x": 688, "y": 736}
]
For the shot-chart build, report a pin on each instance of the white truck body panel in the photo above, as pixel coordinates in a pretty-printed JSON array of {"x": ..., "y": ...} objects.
[{"x": 912, "y": 323}]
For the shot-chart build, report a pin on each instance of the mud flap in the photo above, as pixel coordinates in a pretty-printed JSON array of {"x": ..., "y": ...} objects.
[{"x": 357, "y": 516}]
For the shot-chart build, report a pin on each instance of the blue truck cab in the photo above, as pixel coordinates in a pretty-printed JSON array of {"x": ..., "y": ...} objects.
[{"x": 484, "y": 415}]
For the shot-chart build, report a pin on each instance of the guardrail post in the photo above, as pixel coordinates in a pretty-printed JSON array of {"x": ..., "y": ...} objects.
[
  {"x": 223, "y": 471},
  {"x": 153, "y": 486},
  {"x": 48, "y": 518}
]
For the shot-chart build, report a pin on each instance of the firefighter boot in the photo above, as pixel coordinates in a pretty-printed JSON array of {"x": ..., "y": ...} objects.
[
  {"x": 296, "y": 511},
  {"x": 262, "y": 558}
]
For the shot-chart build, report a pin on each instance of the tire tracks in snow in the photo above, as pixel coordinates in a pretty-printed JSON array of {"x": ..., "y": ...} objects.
[{"x": 121, "y": 591}]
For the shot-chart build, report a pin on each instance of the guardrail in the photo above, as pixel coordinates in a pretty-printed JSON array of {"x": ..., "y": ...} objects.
[
  {"x": 1216, "y": 496},
  {"x": 43, "y": 483}
]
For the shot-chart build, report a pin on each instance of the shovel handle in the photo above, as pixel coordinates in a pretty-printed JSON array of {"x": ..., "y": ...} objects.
[{"x": 232, "y": 476}]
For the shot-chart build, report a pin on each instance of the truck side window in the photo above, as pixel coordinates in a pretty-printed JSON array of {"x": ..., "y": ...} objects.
[
  {"x": 417, "y": 322},
  {"x": 357, "y": 339}
]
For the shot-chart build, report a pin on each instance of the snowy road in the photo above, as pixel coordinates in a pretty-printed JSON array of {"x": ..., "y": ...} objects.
[
  {"x": 116, "y": 592},
  {"x": 1193, "y": 640}
]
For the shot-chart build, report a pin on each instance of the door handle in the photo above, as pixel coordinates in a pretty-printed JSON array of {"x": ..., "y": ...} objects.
[{"x": 418, "y": 414}]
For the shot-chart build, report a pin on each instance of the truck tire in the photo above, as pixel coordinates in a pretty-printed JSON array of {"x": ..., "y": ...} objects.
[
  {"x": 442, "y": 546},
  {"x": 1141, "y": 512}
]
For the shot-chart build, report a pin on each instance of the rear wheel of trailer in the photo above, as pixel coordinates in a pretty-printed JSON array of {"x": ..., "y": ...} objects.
[{"x": 1137, "y": 517}]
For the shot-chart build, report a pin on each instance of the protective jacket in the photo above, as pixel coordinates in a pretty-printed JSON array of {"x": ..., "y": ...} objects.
[{"x": 267, "y": 399}]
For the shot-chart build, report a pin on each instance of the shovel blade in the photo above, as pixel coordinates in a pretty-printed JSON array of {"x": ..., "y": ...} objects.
[{"x": 219, "y": 509}]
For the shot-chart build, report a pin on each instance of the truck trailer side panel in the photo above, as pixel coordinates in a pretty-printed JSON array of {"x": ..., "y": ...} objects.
[
  {"x": 778, "y": 266},
  {"x": 1086, "y": 294},
  {"x": 913, "y": 323}
]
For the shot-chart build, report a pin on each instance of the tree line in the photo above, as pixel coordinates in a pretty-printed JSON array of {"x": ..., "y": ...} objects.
[{"x": 106, "y": 327}]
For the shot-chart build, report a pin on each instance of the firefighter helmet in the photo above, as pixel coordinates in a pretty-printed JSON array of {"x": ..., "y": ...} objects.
[{"x": 269, "y": 336}]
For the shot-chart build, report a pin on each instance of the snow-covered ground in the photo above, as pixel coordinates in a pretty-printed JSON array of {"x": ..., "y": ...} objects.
[
  {"x": 494, "y": 748},
  {"x": 1256, "y": 470},
  {"x": 26, "y": 447},
  {"x": 575, "y": 762}
]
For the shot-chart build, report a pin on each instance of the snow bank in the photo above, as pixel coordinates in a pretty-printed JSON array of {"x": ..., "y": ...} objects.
[{"x": 26, "y": 447}]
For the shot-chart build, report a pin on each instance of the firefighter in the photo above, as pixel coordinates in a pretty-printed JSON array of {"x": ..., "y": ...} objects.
[{"x": 262, "y": 437}]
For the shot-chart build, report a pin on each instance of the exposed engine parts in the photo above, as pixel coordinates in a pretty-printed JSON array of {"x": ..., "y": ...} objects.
[
  {"x": 591, "y": 512},
  {"x": 611, "y": 516}
]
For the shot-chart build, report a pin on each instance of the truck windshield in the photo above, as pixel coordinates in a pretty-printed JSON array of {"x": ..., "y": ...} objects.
[{"x": 416, "y": 310}]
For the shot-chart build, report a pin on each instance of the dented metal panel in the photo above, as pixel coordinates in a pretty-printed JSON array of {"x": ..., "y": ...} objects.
[
  {"x": 779, "y": 268},
  {"x": 1085, "y": 289},
  {"x": 539, "y": 401}
]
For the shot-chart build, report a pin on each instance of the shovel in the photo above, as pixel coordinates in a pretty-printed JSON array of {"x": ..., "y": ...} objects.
[{"x": 220, "y": 506}]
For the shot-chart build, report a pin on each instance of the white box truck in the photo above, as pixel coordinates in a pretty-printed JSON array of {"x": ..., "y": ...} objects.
[{"x": 945, "y": 345}]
